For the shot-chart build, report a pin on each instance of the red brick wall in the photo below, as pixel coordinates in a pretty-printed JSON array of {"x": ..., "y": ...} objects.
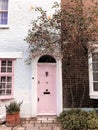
[
  {"x": 75, "y": 74},
  {"x": 76, "y": 79}
]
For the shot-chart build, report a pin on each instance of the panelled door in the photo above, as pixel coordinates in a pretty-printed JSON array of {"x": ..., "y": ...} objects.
[{"x": 46, "y": 104}]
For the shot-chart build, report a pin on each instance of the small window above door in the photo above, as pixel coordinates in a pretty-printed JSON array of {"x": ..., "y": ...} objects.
[{"x": 46, "y": 59}]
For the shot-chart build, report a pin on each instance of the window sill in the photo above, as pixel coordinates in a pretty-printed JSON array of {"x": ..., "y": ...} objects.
[
  {"x": 4, "y": 27},
  {"x": 94, "y": 95},
  {"x": 6, "y": 97}
]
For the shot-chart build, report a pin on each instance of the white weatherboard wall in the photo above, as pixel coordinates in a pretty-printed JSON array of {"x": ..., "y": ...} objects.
[{"x": 20, "y": 14}]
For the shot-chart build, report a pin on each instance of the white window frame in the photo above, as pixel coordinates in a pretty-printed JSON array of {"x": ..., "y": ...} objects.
[
  {"x": 4, "y": 26},
  {"x": 93, "y": 94}
]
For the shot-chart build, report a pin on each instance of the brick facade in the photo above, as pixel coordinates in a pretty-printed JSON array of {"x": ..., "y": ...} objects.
[
  {"x": 76, "y": 80},
  {"x": 76, "y": 75}
]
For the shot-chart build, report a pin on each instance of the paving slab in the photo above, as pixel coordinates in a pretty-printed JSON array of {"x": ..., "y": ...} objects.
[
  {"x": 32, "y": 128},
  {"x": 30, "y": 124},
  {"x": 3, "y": 127},
  {"x": 56, "y": 128},
  {"x": 46, "y": 128},
  {"x": 6, "y": 129},
  {"x": 19, "y": 128},
  {"x": 38, "y": 124},
  {"x": 26, "y": 125}
]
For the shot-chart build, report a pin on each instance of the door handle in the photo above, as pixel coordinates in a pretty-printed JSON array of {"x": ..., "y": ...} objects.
[{"x": 38, "y": 99}]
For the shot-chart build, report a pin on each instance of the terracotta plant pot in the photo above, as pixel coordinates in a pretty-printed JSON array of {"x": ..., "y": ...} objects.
[{"x": 12, "y": 119}]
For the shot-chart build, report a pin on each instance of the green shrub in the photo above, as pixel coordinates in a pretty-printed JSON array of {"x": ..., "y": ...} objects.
[
  {"x": 73, "y": 119},
  {"x": 77, "y": 119},
  {"x": 92, "y": 120}
]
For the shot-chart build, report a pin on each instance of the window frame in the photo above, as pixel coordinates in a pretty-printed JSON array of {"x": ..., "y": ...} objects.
[
  {"x": 2, "y": 11},
  {"x": 93, "y": 94},
  {"x": 2, "y": 97}
]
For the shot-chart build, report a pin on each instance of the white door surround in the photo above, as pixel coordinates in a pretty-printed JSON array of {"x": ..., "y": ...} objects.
[{"x": 34, "y": 83}]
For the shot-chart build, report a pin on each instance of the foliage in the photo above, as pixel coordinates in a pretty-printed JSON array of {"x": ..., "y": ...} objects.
[
  {"x": 13, "y": 107},
  {"x": 73, "y": 119},
  {"x": 78, "y": 26},
  {"x": 92, "y": 120},
  {"x": 44, "y": 35},
  {"x": 79, "y": 23},
  {"x": 77, "y": 119}
]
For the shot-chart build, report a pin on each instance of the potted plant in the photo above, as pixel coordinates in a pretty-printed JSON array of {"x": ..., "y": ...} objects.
[{"x": 13, "y": 113}]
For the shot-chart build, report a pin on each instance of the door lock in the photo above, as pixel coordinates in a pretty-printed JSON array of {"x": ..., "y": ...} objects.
[
  {"x": 38, "y": 82},
  {"x": 38, "y": 99}
]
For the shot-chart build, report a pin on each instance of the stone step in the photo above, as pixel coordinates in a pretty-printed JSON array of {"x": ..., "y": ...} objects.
[
  {"x": 19, "y": 128},
  {"x": 48, "y": 119}
]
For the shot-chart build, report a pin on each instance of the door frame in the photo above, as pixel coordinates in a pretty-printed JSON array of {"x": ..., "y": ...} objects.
[{"x": 33, "y": 90}]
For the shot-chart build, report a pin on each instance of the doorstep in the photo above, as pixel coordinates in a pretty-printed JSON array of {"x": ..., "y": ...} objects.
[{"x": 47, "y": 119}]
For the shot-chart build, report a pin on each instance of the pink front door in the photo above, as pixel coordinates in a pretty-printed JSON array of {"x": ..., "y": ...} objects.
[{"x": 46, "y": 89}]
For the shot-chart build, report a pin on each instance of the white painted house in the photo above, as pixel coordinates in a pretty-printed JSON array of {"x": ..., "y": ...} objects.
[{"x": 39, "y": 84}]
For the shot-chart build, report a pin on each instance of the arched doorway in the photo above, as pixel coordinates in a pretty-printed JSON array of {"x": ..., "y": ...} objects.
[{"x": 46, "y": 86}]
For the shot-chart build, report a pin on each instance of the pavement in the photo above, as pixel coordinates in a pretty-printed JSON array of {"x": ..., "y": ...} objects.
[{"x": 33, "y": 124}]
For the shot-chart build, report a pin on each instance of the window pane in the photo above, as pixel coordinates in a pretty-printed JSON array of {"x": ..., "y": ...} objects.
[
  {"x": 0, "y": 86},
  {"x": 3, "y": 79},
  {"x": 4, "y": 5},
  {"x": 3, "y": 63},
  {"x": 95, "y": 56},
  {"x": 95, "y": 66},
  {"x": 2, "y": 92},
  {"x": 3, "y": 69},
  {"x": 3, "y": 17},
  {"x": 9, "y": 63},
  {"x": 0, "y": 4},
  {"x": 3, "y": 85},
  {"x": 95, "y": 76},
  {"x": 9, "y": 79},
  {"x": 9, "y": 69},
  {"x": 0, "y": 18},
  {"x": 95, "y": 86},
  {"x": 8, "y": 92},
  {"x": 9, "y": 85}
]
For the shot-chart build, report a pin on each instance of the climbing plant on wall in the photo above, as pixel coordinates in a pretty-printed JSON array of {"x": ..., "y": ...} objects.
[{"x": 44, "y": 37}]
